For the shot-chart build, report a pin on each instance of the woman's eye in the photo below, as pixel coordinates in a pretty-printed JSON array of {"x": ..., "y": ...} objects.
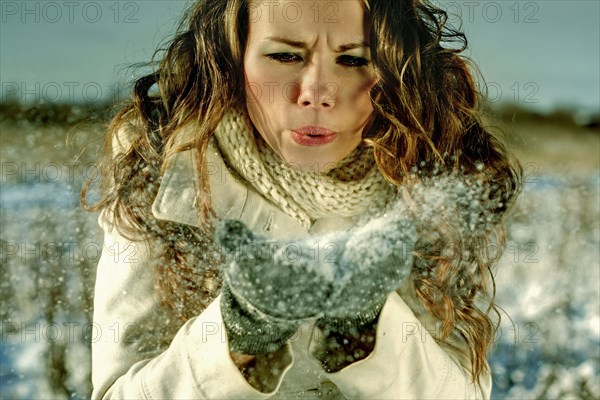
[
  {"x": 348, "y": 61},
  {"x": 352, "y": 61},
  {"x": 285, "y": 58}
]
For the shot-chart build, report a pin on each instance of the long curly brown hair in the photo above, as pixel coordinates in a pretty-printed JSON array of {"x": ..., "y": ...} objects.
[{"x": 427, "y": 118}]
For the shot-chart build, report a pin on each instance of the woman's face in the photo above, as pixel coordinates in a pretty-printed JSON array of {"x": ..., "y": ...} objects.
[{"x": 308, "y": 75}]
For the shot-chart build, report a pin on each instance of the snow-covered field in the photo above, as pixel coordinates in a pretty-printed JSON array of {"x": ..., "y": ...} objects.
[{"x": 548, "y": 282}]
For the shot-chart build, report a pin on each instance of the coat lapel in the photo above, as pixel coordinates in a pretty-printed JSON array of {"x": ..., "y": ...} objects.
[{"x": 231, "y": 197}]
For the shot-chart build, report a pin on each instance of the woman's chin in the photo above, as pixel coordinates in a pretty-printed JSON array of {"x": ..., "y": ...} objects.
[{"x": 310, "y": 162}]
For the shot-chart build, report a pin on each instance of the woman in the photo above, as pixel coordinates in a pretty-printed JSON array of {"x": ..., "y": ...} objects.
[{"x": 344, "y": 128}]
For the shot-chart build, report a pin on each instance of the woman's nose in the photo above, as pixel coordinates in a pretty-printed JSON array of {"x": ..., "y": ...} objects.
[{"x": 317, "y": 88}]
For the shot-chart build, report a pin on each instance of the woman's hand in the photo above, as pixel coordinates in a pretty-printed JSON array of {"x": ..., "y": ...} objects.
[
  {"x": 278, "y": 281},
  {"x": 376, "y": 258},
  {"x": 269, "y": 288}
]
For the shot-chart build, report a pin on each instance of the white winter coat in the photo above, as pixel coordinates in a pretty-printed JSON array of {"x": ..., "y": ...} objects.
[{"x": 139, "y": 351}]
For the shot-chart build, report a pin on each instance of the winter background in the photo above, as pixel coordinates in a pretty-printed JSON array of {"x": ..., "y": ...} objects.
[{"x": 63, "y": 63}]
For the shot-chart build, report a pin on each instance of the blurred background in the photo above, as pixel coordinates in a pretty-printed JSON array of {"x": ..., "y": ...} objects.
[{"x": 64, "y": 64}]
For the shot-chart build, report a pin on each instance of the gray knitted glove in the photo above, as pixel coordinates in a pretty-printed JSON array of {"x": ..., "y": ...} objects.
[
  {"x": 269, "y": 287},
  {"x": 375, "y": 260}
]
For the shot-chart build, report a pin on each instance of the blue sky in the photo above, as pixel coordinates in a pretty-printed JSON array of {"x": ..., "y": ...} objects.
[{"x": 540, "y": 54}]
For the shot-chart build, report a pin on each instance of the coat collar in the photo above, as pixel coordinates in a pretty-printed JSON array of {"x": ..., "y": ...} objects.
[{"x": 176, "y": 197}]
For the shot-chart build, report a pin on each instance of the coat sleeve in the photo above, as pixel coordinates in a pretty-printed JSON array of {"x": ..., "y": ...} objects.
[
  {"x": 408, "y": 363},
  {"x": 139, "y": 351}
]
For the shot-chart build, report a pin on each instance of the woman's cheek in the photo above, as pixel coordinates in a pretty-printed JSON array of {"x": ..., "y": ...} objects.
[{"x": 268, "y": 86}]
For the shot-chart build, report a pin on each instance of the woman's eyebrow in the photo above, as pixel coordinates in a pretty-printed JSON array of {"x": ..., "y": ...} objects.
[{"x": 299, "y": 44}]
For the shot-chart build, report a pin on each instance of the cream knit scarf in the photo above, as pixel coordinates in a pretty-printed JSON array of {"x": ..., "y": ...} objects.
[{"x": 355, "y": 187}]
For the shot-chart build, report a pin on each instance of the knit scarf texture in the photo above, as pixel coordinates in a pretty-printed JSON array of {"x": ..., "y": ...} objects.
[{"x": 353, "y": 188}]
